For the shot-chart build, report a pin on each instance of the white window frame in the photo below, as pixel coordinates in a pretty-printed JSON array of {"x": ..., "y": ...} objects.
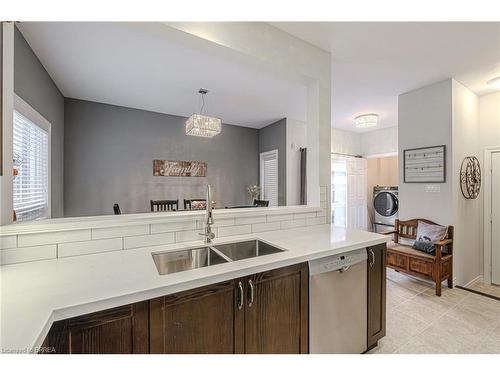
[
  {"x": 27, "y": 111},
  {"x": 263, "y": 156}
]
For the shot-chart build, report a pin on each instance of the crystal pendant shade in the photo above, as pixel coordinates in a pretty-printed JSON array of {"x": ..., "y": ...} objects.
[
  {"x": 366, "y": 121},
  {"x": 203, "y": 126}
]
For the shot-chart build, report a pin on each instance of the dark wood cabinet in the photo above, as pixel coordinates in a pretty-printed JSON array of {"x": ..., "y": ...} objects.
[
  {"x": 263, "y": 313},
  {"x": 376, "y": 293},
  {"x": 277, "y": 311},
  {"x": 122, "y": 330},
  {"x": 203, "y": 320}
]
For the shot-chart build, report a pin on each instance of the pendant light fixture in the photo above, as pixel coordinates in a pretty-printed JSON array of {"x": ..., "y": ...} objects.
[{"x": 200, "y": 125}]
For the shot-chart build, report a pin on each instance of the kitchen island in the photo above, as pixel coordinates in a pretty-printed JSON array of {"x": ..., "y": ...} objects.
[{"x": 37, "y": 294}]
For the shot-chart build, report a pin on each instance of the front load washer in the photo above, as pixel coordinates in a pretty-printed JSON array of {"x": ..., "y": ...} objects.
[{"x": 385, "y": 207}]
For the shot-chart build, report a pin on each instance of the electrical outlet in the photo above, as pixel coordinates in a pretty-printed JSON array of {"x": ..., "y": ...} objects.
[{"x": 432, "y": 188}]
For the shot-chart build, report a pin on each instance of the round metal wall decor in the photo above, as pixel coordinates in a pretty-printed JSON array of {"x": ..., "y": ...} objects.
[{"x": 470, "y": 177}]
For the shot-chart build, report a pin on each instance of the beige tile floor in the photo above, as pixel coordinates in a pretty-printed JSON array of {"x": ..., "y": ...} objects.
[
  {"x": 419, "y": 322},
  {"x": 480, "y": 286}
]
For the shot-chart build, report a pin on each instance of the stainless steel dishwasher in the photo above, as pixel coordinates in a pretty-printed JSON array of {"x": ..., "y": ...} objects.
[{"x": 338, "y": 303}]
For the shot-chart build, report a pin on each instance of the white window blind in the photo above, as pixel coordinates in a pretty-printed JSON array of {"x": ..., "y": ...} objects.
[
  {"x": 31, "y": 186},
  {"x": 269, "y": 176}
]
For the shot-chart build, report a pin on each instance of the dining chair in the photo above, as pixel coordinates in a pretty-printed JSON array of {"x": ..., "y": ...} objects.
[
  {"x": 164, "y": 205},
  {"x": 116, "y": 209},
  {"x": 195, "y": 204},
  {"x": 260, "y": 203}
]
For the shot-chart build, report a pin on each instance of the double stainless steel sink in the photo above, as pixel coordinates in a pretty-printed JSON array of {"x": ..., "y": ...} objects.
[{"x": 209, "y": 255}]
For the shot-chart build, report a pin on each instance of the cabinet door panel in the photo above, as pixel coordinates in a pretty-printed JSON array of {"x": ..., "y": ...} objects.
[
  {"x": 277, "y": 319},
  {"x": 376, "y": 293},
  {"x": 122, "y": 330},
  {"x": 203, "y": 320}
]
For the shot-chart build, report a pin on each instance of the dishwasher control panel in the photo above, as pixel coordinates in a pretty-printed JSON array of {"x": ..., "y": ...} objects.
[{"x": 336, "y": 262}]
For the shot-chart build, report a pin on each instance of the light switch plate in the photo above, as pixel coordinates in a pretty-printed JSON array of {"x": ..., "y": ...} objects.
[{"x": 432, "y": 188}]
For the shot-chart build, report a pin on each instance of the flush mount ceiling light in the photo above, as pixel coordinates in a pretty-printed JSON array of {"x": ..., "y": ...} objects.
[
  {"x": 200, "y": 125},
  {"x": 495, "y": 82},
  {"x": 366, "y": 121}
]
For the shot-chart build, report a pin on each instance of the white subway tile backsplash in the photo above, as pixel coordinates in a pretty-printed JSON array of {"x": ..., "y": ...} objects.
[
  {"x": 304, "y": 215},
  {"x": 235, "y": 230},
  {"x": 8, "y": 242},
  {"x": 272, "y": 218},
  {"x": 323, "y": 189},
  {"x": 173, "y": 226},
  {"x": 38, "y": 246},
  {"x": 28, "y": 254},
  {"x": 148, "y": 240},
  {"x": 316, "y": 220},
  {"x": 293, "y": 223},
  {"x": 321, "y": 213},
  {"x": 36, "y": 239},
  {"x": 114, "y": 232},
  {"x": 189, "y": 235},
  {"x": 89, "y": 247},
  {"x": 217, "y": 223},
  {"x": 266, "y": 227},
  {"x": 250, "y": 220}
]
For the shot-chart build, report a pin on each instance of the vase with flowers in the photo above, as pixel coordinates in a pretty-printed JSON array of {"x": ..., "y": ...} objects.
[{"x": 254, "y": 192}]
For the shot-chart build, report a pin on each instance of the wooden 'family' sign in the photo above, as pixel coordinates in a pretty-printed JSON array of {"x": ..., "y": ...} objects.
[{"x": 176, "y": 168}]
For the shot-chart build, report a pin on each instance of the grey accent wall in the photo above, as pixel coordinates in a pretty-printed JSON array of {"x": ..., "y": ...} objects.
[
  {"x": 34, "y": 85},
  {"x": 425, "y": 119},
  {"x": 109, "y": 153},
  {"x": 273, "y": 137}
]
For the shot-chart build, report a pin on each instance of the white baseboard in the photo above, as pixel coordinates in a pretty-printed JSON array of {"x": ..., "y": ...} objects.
[{"x": 476, "y": 279}]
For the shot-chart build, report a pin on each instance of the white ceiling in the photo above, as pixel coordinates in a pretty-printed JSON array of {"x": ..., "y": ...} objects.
[
  {"x": 129, "y": 65},
  {"x": 372, "y": 63}
]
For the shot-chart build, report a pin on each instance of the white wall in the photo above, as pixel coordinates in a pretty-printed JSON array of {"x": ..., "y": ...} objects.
[
  {"x": 466, "y": 212},
  {"x": 345, "y": 142},
  {"x": 296, "y": 137},
  {"x": 425, "y": 119},
  {"x": 381, "y": 142},
  {"x": 375, "y": 143}
]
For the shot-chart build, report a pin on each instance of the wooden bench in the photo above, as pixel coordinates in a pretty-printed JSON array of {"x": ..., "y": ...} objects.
[{"x": 406, "y": 259}]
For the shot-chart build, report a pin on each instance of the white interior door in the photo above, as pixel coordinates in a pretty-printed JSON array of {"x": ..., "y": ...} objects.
[
  {"x": 495, "y": 218},
  {"x": 356, "y": 193},
  {"x": 269, "y": 176}
]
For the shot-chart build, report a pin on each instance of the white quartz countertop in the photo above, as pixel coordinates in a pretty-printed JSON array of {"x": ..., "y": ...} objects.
[{"x": 35, "y": 294}]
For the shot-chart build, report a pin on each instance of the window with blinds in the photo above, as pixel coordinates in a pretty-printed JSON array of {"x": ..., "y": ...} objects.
[
  {"x": 269, "y": 176},
  {"x": 31, "y": 159}
]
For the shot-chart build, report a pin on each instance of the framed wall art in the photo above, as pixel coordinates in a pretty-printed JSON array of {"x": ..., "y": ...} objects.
[{"x": 425, "y": 164}]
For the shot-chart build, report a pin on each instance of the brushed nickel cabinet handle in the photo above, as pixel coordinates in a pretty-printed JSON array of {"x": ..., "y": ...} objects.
[
  {"x": 372, "y": 257},
  {"x": 250, "y": 284},
  {"x": 241, "y": 301}
]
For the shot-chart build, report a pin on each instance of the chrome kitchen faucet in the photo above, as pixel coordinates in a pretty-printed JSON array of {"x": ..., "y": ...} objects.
[{"x": 209, "y": 220}]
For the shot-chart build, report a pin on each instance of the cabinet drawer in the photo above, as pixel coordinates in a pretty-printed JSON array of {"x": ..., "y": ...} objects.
[
  {"x": 422, "y": 267},
  {"x": 397, "y": 260}
]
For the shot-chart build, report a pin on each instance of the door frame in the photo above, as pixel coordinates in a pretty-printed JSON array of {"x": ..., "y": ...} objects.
[{"x": 488, "y": 153}]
